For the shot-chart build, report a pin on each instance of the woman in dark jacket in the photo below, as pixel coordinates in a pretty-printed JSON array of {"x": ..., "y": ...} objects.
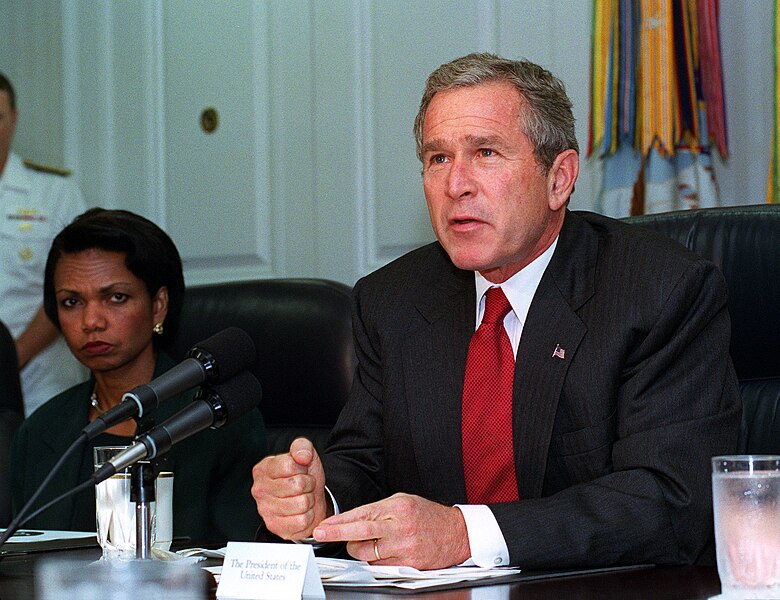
[{"x": 114, "y": 287}]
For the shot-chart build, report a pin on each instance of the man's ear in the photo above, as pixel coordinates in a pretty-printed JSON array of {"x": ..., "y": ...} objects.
[{"x": 561, "y": 178}]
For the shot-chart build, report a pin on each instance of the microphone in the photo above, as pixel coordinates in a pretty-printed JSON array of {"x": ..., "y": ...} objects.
[
  {"x": 212, "y": 407},
  {"x": 216, "y": 359}
]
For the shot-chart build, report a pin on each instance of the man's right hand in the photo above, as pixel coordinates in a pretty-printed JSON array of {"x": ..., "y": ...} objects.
[{"x": 289, "y": 490}]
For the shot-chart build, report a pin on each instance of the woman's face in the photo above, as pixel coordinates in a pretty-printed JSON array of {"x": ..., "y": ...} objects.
[{"x": 105, "y": 312}]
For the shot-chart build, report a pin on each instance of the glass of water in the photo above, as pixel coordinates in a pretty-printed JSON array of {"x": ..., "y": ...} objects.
[
  {"x": 115, "y": 513},
  {"x": 746, "y": 508}
]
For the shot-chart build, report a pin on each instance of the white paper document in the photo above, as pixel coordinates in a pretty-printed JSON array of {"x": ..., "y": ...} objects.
[
  {"x": 340, "y": 573},
  {"x": 345, "y": 574},
  {"x": 41, "y": 540}
]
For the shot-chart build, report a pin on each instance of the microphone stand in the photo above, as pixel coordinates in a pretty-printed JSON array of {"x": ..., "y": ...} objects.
[
  {"x": 142, "y": 478},
  {"x": 142, "y": 492}
]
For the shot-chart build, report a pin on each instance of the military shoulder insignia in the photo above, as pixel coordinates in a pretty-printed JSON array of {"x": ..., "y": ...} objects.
[{"x": 46, "y": 168}]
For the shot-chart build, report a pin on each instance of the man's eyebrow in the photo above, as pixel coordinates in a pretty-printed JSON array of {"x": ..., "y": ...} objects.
[
  {"x": 477, "y": 141},
  {"x": 432, "y": 145},
  {"x": 483, "y": 140}
]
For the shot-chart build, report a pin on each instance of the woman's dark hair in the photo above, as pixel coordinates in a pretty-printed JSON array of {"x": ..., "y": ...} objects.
[{"x": 150, "y": 255}]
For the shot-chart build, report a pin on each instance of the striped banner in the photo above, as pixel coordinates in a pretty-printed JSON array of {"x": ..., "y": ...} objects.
[
  {"x": 657, "y": 95},
  {"x": 656, "y": 87},
  {"x": 712, "y": 73}
]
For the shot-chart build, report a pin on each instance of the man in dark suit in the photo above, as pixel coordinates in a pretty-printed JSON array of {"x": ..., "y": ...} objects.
[{"x": 620, "y": 383}]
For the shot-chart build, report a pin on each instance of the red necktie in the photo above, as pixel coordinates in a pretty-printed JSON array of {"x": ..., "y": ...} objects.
[{"x": 488, "y": 453}]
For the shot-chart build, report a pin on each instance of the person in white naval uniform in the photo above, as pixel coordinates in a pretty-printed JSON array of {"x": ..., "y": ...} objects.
[{"x": 35, "y": 204}]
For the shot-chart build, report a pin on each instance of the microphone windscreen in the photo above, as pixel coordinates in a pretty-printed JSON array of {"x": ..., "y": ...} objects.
[
  {"x": 238, "y": 395},
  {"x": 231, "y": 349}
]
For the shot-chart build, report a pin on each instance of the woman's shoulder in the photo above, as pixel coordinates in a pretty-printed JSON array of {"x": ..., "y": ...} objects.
[
  {"x": 53, "y": 426},
  {"x": 63, "y": 406}
]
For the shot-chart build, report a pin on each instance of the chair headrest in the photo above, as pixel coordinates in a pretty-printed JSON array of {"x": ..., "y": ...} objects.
[
  {"x": 744, "y": 241},
  {"x": 302, "y": 331}
]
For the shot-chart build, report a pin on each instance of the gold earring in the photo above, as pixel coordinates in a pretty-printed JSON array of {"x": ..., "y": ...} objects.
[{"x": 158, "y": 328}]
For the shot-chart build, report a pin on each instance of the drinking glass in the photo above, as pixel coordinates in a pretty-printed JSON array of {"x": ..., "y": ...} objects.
[
  {"x": 115, "y": 513},
  {"x": 746, "y": 508}
]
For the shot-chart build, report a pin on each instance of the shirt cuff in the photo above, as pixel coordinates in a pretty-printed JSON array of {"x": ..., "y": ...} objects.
[
  {"x": 487, "y": 543},
  {"x": 333, "y": 500},
  {"x": 310, "y": 540}
]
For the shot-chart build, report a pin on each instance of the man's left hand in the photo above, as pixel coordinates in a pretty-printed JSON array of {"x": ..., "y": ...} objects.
[{"x": 401, "y": 530}]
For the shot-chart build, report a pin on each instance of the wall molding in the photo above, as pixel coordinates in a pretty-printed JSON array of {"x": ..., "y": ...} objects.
[
  {"x": 71, "y": 91},
  {"x": 154, "y": 98},
  {"x": 109, "y": 105},
  {"x": 262, "y": 130},
  {"x": 365, "y": 184}
]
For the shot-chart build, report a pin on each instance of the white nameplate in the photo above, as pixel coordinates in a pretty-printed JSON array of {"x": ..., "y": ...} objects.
[{"x": 254, "y": 571}]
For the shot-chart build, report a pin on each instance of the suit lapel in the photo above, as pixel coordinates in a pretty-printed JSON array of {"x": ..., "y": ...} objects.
[
  {"x": 539, "y": 377},
  {"x": 56, "y": 441},
  {"x": 552, "y": 324},
  {"x": 434, "y": 358}
]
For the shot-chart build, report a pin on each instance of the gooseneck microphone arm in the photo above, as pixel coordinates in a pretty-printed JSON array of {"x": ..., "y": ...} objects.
[
  {"x": 213, "y": 407},
  {"x": 216, "y": 359}
]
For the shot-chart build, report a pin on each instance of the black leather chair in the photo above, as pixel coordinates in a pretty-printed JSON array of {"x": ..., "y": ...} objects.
[
  {"x": 745, "y": 243},
  {"x": 302, "y": 331},
  {"x": 11, "y": 415}
]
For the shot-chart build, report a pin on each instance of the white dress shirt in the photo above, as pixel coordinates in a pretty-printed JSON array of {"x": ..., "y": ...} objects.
[{"x": 488, "y": 547}]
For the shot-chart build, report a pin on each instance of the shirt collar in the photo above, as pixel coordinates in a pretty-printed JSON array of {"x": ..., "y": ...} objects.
[{"x": 520, "y": 288}]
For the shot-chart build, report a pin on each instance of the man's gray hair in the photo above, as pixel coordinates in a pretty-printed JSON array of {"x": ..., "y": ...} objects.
[{"x": 547, "y": 119}]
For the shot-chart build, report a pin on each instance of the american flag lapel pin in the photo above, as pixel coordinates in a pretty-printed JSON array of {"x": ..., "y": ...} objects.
[{"x": 559, "y": 352}]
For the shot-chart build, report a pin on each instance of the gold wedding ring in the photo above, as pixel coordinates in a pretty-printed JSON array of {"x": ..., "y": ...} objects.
[{"x": 376, "y": 549}]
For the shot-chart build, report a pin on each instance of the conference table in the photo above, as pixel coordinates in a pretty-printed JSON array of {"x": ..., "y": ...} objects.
[
  {"x": 656, "y": 583},
  {"x": 17, "y": 582}
]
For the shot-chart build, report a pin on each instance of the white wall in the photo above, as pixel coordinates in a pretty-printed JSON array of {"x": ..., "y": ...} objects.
[
  {"x": 746, "y": 38},
  {"x": 312, "y": 171},
  {"x": 6, "y": 45},
  {"x": 30, "y": 55}
]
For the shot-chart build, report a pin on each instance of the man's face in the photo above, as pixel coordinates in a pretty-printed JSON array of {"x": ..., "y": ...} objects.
[
  {"x": 7, "y": 126},
  {"x": 491, "y": 206}
]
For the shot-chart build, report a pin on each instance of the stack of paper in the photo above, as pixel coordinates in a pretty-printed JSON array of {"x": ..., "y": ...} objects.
[
  {"x": 338, "y": 573},
  {"x": 344, "y": 573}
]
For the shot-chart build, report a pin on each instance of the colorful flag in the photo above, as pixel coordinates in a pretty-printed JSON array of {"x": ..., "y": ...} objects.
[{"x": 657, "y": 104}]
